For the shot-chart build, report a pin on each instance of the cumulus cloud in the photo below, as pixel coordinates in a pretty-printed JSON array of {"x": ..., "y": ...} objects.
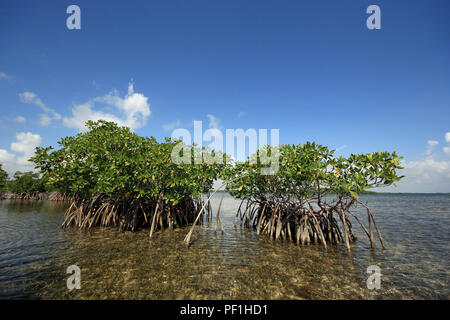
[
  {"x": 427, "y": 175},
  {"x": 26, "y": 142},
  {"x": 134, "y": 110},
  {"x": 447, "y": 150},
  {"x": 45, "y": 120},
  {"x": 431, "y": 145},
  {"x": 23, "y": 148},
  {"x": 338, "y": 149},
  {"x": 4, "y": 76},
  {"x": 424, "y": 176},
  {"x": 171, "y": 126},
  {"x": 20, "y": 119},
  {"x": 48, "y": 115},
  {"x": 214, "y": 122},
  {"x": 6, "y": 157}
]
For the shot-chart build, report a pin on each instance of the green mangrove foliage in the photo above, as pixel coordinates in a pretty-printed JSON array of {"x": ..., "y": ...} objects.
[
  {"x": 3, "y": 179},
  {"x": 27, "y": 186},
  {"x": 312, "y": 195},
  {"x": 117, "y": 177},
  {"x": 26, "y": 183}
]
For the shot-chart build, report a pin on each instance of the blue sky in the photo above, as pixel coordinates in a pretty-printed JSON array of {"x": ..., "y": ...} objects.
[{"x": 311, "y": 69}]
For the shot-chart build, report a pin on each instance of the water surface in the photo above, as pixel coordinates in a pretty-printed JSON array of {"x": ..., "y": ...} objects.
[{"x": 35, "y": 253}]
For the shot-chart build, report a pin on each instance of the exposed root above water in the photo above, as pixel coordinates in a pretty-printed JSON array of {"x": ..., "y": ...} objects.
[
  {"x": 132, "y": 215},
  {"x": 311, "y": 195},
  {"x": 304, "y": 222}
]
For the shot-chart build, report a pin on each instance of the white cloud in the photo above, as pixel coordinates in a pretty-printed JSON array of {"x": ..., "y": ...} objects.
[
  {"x": 341, "y": 148},
  {"x": 24, "y": 147},
  {"x": 431, "y": 145},
  {"x": 20, "y": 119},
  {"x": 26, "y": 142},
  {"x": 242, "y": 114},
  {"x": 134, "y": 109},
  {"x": 5, "y": 156},
  {"x": 427, "y": 175},
  {"x": 32, "y": 98},
  {"x": 171, "y": 126},
  {"x": 447, "y": 150},
  {"x": 82, "y": 113},
  {"x": 423, "y": 176},
  {"x": 214, "y": 122},
  {"x": 4, "y": 76},
  {"x": 45, "y": 119},
  {"x": 213, "y": 132}
]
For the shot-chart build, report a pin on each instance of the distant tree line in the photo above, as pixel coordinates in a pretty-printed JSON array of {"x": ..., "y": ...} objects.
[
  {"x": 3, "y": 179},
  {"x": 22, "y": 182}
]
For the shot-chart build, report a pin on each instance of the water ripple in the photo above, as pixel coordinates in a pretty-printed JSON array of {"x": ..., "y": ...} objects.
[{"x": 35, "y": 252}]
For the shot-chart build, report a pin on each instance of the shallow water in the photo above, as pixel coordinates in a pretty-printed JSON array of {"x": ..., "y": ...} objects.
[{"x": 35, "y": 252}]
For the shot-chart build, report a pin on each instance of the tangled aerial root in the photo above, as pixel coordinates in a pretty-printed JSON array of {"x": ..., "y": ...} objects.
[
  {"x": 28, "y": 196},
  {"x": 299, "y": 221},
  {"x": 57, "y": 196},
  {"x": 304, "y": 223},
  {"x": 131, "y": 215}
]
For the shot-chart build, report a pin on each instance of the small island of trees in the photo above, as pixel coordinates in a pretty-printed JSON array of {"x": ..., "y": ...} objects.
[{"x": 114, "y": 177}]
